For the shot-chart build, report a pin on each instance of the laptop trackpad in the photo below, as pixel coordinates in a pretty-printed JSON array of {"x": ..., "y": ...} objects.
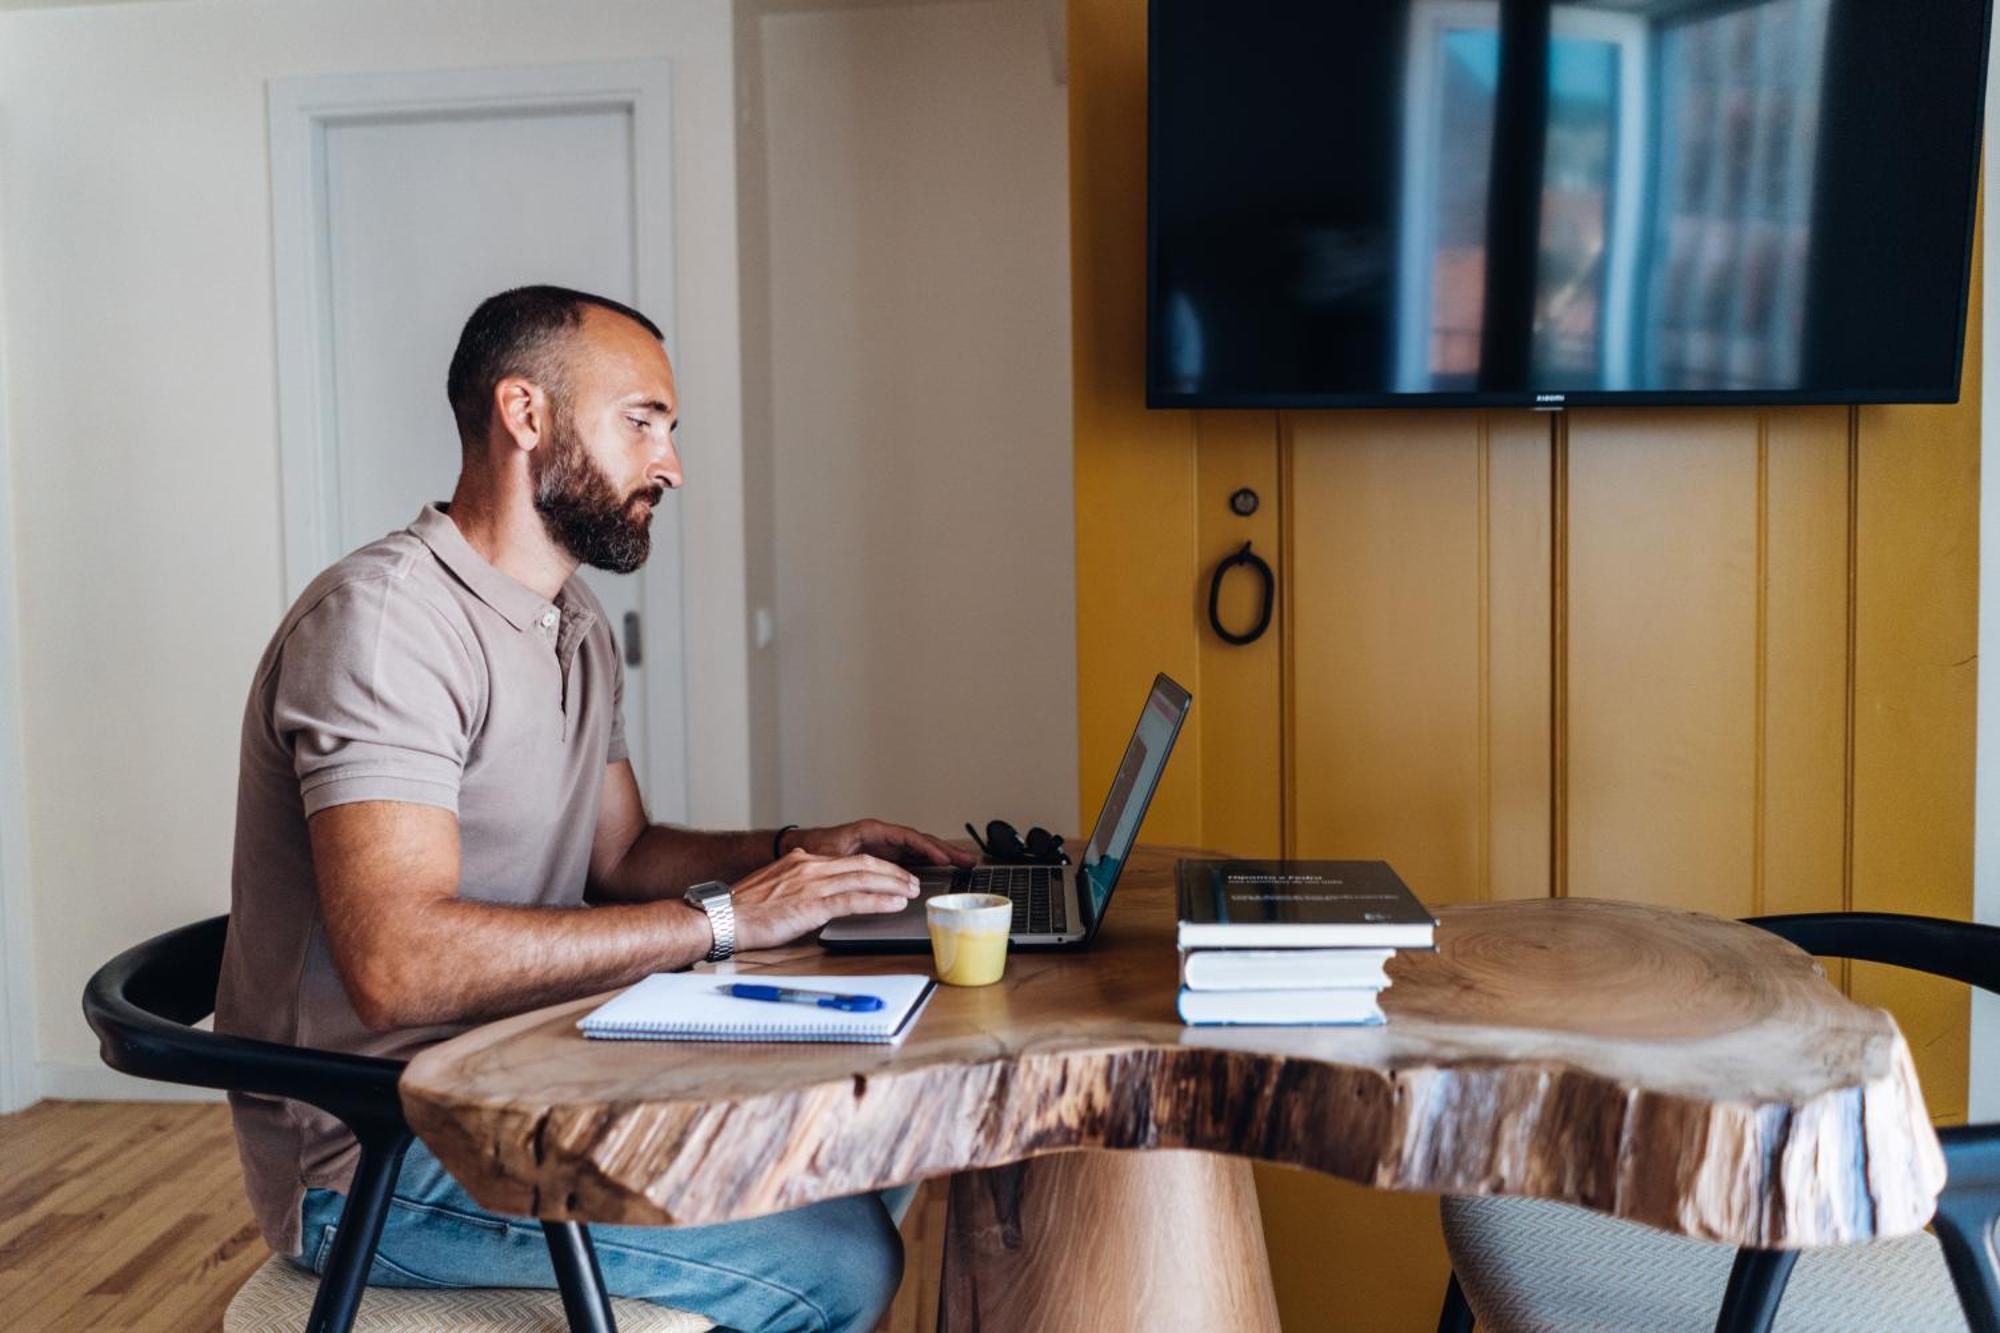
[{"x": 906, "y": 924}]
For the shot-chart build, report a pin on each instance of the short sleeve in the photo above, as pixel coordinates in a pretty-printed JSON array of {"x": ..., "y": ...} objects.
[{"x": 376, "y": 698}]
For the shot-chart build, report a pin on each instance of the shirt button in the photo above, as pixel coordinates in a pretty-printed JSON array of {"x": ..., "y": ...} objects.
[{"x": 549, "y": 618}]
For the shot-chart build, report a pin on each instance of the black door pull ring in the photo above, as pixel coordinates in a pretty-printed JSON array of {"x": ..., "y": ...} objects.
[{"x": 1243, "y": 557}]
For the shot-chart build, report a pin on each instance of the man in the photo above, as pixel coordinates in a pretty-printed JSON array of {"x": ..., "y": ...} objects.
[{"x": 434, "y": 781}]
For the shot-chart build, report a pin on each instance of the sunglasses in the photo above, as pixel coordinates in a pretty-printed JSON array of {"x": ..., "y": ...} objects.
[{"x": 1005, "y": 845}]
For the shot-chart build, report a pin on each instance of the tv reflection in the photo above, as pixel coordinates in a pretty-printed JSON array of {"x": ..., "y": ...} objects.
[{"x": 1671, "y": 223}]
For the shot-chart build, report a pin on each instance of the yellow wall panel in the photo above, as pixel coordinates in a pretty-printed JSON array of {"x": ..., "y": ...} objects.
[
  {"x": 1661, "y": 672},
  {"x": 1915, "y": 679},
  {"x": 1347, "y": 1259},
  {"x": 1383, "y": 634},
  {"x": 1516, "y": 686},
  {"x": 1136, "y": 558},
  {"x": 1417, "y": 644},
  {"x": 1802, "y": 809},
  {"x": 1706, "y": 676},
  {"x": 1237, "y": 708}
]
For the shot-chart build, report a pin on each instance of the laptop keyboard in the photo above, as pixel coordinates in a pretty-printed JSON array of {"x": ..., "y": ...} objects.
[{"x": 1036, "y": 892}]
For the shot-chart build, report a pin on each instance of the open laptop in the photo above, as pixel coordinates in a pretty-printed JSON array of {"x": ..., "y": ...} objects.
[{"x": 1055, "y": 907}]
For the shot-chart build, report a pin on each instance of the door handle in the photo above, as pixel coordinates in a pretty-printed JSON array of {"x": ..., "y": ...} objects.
[
  {"x": 634, "y": 652},
  {"x": 1257, "y": 562}
]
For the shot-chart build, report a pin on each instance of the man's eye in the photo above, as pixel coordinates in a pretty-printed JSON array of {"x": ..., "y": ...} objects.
[{"x": 640, "y": 422}]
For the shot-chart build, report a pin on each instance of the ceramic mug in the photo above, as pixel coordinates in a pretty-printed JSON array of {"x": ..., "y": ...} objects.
[{"x": 969, "y": 937}]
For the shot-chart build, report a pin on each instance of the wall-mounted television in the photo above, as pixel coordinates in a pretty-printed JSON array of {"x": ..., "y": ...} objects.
[{"x": 1362, "y": 203}]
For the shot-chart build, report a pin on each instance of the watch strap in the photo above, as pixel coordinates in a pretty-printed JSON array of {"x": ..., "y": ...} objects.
[{"x": 715, "y": 901}]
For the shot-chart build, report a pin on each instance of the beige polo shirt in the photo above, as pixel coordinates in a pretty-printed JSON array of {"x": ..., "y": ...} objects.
[{"x": 412, "y": 670}]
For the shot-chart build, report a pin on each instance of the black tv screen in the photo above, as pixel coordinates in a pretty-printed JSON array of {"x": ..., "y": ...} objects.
[{"x": 1456, "y": 202}]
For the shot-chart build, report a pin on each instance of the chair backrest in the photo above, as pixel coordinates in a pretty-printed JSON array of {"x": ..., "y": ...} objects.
[
  {"x": 144, "y": 1003},
  {"x": 1961, "y": 950}
]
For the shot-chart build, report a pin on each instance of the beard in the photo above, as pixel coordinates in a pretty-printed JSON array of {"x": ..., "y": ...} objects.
[{"x": 582, "y": 510}]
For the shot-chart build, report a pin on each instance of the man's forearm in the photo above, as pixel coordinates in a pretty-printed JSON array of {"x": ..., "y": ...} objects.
[
  {"x": 482, "y": 960},
  {"x": 663, "y": 861}
]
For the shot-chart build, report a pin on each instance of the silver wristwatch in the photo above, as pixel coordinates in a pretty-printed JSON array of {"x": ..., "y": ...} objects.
[{"x": 713, "y": 898}]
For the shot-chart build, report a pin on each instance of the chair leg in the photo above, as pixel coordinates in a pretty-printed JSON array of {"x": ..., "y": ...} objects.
[
  {"x": 578, "y": 1277},
  {"x": 1756, "y": 1285},
  {"x": 1456, "y": 1317},
  {"x": 355, "y": 1238},
  {"x": 1965, "y": 1229}
]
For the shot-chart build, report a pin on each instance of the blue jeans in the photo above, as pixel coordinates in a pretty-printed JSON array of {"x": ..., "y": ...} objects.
[{"x": 829, "y": 1268}]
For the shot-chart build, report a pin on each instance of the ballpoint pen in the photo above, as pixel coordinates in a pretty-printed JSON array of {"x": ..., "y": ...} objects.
[{"x": 824, "y": 999}]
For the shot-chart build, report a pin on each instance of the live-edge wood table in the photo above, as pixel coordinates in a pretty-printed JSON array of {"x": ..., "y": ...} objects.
[{"x": 1689, "y": 1072}]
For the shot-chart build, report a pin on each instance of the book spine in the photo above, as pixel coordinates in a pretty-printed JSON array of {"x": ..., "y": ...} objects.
[
  {"x": 1276, "y": 1009},
  {"x": 1190, "y": 936},
  {"x": 1217, "y": 970}
]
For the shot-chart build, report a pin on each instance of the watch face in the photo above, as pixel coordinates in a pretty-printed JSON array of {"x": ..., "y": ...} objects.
[{"x": 700, "y": 893}]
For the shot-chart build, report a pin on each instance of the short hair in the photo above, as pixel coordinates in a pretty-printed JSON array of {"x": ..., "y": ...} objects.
[{"x": 518, "y": 332}]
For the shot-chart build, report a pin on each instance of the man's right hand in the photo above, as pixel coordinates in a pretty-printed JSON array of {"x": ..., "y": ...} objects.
[{"x": 801, "y": 892}]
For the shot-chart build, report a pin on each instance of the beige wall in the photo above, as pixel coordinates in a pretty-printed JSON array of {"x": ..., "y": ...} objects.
[
  {"x": 142, "y": 414},
  {"x": 907, "y": 166}
]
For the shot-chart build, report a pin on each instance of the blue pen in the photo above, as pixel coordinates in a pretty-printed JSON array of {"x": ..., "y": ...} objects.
[{"x": 825, "y": 999}]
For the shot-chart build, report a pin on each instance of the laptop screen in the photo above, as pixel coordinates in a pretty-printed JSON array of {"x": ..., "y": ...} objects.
[{"x": 1131, "y": 792}]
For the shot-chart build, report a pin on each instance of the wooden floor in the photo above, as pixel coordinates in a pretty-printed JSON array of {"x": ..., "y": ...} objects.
[{"x": 131, "y": 1215}]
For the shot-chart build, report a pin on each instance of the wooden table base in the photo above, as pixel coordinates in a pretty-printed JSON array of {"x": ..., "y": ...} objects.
[{"x": 1108, "y": 1241}]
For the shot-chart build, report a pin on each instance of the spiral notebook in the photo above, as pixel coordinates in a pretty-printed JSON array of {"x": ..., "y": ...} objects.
[{"x": 690, "y": 1006}]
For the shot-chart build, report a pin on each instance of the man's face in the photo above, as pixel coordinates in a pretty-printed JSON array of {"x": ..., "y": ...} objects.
[{"x": 609, "y": 457}]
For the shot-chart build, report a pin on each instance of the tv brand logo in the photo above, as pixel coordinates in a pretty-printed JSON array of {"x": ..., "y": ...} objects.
[{"x": 1548, "y": 398}]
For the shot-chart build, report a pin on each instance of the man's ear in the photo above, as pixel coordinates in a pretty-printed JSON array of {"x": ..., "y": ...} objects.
[{"x": 522, "y": 409}]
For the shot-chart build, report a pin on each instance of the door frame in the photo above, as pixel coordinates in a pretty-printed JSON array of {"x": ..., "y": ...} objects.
[
  {"x": 19, "y": 1079},
  {"x": 301, "y": 110}
]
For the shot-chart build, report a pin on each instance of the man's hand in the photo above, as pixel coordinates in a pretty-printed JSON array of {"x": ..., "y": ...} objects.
[
  {"x": 891, "y": 842},
  {"x": 802, "y": 892}
]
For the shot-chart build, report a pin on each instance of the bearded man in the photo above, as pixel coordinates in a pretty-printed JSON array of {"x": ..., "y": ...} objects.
[{"x": 437, "y": 825}]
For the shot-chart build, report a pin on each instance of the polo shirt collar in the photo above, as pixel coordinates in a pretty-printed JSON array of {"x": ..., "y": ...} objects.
[{"x": 518, "y": 604}]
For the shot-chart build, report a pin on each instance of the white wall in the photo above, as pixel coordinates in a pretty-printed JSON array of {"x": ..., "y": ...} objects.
[
  {"x": 1984, "y": 1091},
  {"x": 915, "y": 204},
  {"x": 141, "y": 415},
  {"x": 18, "y": 1081}
]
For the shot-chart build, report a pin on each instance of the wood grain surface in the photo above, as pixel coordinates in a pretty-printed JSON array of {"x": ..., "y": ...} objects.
[
  {"x": 1671, "y": 1068},
  {"x": 1103, "y": 1241}
]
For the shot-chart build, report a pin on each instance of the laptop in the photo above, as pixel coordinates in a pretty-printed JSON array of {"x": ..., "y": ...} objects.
[{"x": 1055, "y": 907}]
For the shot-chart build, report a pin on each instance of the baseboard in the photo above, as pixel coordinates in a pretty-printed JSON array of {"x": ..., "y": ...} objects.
[
  {"x": 1984, "y": 1104},
  {"x": 88, "y": 1081}
]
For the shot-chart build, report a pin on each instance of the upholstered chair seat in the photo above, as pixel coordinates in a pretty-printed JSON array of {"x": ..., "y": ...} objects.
[
  {"x": 1532, "y": 1266},
  {"x": 279, "y": 1296}
]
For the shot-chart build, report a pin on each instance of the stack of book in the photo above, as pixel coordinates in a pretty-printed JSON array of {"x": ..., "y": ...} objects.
[{"x": 1292, "y": 941}]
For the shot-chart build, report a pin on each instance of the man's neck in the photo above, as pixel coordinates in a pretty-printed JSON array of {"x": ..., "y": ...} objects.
[{"x": 511, "y": 538}]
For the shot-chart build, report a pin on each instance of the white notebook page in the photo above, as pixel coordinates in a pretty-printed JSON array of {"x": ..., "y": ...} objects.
[{"x": 690, "y": 1006}]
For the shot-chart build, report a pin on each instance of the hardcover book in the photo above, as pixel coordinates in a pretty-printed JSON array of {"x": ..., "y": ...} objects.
[
  {"x": 1288, "y": 904},
  {"x": 1278, "y": 1008},
  {"x": 1285, "y": 969}
]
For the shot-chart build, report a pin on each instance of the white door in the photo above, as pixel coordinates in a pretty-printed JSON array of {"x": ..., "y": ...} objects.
[{"x": 425, "y": 217}]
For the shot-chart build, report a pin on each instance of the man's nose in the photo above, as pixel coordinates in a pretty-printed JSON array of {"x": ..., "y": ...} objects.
[{"x": 666, "y": 469}]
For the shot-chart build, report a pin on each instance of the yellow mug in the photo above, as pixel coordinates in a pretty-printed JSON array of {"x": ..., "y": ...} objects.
[{"x": 969, "y": 937}]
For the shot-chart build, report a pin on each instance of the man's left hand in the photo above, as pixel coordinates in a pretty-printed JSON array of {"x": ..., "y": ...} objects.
[{"x": 873, "y": 837}]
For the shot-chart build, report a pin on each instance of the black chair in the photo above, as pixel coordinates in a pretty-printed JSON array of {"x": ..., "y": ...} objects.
[
  {"x": 1969, "y": 1205},
  {"x": 143, "y": 1004}
]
